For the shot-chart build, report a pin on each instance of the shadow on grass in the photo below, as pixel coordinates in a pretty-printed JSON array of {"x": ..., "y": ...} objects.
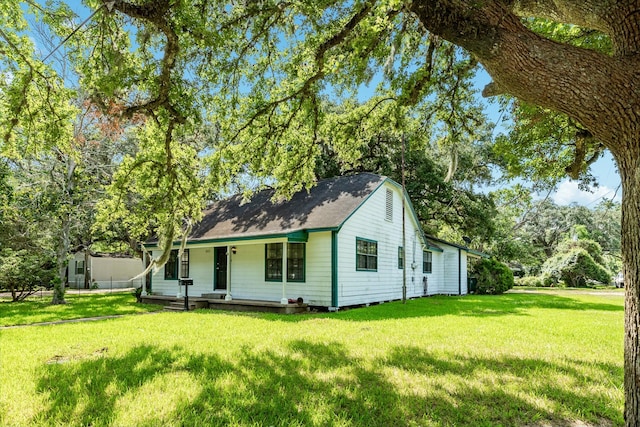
[
  {"x": 469, "y": 305},
  {"x": 315, "y": 384}
]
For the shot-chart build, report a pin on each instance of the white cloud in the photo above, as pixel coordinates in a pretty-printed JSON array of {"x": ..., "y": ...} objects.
[{"x": 568, "y": 192}]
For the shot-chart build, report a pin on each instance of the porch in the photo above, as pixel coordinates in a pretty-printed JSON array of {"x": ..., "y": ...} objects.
[{"x": 214, "y": 302}]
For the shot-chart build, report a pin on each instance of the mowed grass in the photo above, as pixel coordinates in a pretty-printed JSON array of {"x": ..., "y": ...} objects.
[
  {"x": 510, "y": 360},
  {"x": 38, "y": 309}
]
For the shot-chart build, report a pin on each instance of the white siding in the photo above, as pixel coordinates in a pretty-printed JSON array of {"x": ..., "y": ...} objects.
[
  {"x": 200, "y": 270},
  {"x": 453, "y": 282},
  {"x": 76, "y": 280},
  {"x": 355, "y": 287},
  {"x": 106, "y": 272},
  {"x": 110, "y": 272},
  {"x": 463, "y": 266},
  {"x": 435, "y": 279},
  {"x": 248, "y": 273},
  {"x": 368, "y": 222}
]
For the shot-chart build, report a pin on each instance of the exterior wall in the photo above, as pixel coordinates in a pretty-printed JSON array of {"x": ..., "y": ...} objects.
[
  {"x": 454, "y": 283},
  {"x": 435, "y": 279},
  {"x": 200, "y": 270},
  {"x": 76, "y": 280},
  {"x": 106, "y": 272},
  {"x": 369, "y": 222},
  {"x": 248, "y": 273}
]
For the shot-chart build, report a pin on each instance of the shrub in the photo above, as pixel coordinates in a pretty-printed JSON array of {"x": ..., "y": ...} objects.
[
  {"x": 23, "y": 272},
  {"x": 575, "y": 268},
  {"x": 592, "y": 247},
  {"x": 529, "y": 281},
  {"x": 493, "y": 276},
  {"x": 542, "y": 281}
]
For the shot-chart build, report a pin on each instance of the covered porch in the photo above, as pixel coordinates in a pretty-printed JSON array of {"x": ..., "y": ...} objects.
[{"x": 268, "y": 271}]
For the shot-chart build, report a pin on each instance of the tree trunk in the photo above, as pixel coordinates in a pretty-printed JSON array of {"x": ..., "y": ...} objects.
[
  {"x": 87, "y": 272},
  {"x": 628, "y": 164},
  {"x": 61, "y": 262},
  {"x": 62, "y": 250}
]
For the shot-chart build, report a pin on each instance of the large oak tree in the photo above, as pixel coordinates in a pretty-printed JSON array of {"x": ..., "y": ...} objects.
[{"x": 600, "y": 91}]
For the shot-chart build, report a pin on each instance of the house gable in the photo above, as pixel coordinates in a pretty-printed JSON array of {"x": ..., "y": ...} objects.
[{"x": 376, "y": 227}]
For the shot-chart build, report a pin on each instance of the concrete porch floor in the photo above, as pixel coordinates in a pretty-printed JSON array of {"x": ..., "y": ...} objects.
[{"x": 222, "y": 304}]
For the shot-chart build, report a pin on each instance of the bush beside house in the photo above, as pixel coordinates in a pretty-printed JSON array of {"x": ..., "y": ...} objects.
[{"x": 493, "y": 277}]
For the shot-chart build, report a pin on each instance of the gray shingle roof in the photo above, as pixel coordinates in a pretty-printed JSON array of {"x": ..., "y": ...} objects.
[{"x": 327, "y": 205}]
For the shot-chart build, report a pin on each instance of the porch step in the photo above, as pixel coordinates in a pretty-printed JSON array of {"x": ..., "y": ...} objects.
[{"x": 179, "y": 306}]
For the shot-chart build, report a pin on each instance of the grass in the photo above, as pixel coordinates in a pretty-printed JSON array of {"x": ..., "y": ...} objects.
[
  {"x": 516, "y": 359},
  {"x": 39, "y": 309}
]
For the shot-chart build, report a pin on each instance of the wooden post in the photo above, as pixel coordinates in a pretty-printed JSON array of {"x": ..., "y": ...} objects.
[
  {"x": 284, "y": 299},
  {"x": 228, "y": 297},
  {"x": 404, "y": 242}
]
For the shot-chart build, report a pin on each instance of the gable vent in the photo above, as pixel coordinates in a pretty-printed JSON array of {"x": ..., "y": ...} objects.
[{"x": 389, "y": 209}]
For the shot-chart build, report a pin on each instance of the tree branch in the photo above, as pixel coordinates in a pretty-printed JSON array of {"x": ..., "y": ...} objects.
[{"x": 540, "y": 71}]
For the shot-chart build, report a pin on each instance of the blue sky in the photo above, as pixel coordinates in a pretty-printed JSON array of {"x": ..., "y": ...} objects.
[{"x": 609, "y": 185}]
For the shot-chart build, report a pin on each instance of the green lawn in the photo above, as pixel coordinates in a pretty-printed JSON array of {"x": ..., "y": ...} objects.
[
  {"x": 38, "y": 309},
  {"x": 512, "y": 360}
]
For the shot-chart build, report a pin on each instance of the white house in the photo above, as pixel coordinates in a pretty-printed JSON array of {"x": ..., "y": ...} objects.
[
  {"x": 104, "y": 271},
  {"x": 339, "y": 244}
]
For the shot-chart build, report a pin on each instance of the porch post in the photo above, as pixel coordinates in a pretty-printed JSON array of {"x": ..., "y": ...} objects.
[
  {"x": 284, "y": 299},
  {"x": 179, "y": 261},
  {"x": 227, "y": 297},
  {"x": 144, "y": 278}
]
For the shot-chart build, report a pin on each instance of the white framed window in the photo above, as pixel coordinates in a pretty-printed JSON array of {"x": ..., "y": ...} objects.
[
  {"x": 427, "y": 262},
  {"x": 366, "y": 255}
]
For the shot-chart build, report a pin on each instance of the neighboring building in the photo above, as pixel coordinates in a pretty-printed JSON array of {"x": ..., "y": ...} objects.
[
  {"x": 104, "y": 271},
  {"x": 338, "y": 244}
]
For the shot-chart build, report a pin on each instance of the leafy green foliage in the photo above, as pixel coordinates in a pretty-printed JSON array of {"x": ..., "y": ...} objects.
[
  {"x": 438, "y": 203},
  {"x": 493, "y": 277},
  {"x": 155, "y": 189},
  {"x": 545, "y": 146},
  {"x": 530, "y": 232},
  {"x": 575, "y": 268},
  {"x": 530, "y": 281},
  {"x": 23, "y": 272}
]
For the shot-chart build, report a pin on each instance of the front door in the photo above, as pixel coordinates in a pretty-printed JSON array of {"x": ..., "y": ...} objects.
[{"x": 220, "y": 261}]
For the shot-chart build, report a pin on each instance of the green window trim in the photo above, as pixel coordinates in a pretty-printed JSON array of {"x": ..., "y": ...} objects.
[
  {"x": 366, "y": 254},
  {"x": 400, "y": 258},
  {"x": 273, "y": 262},
  {"x": 296, "y": 262},
  {"x": 171, "y": 266},
  {"x": 296, "y": 256},
  {"x": 427, "y": 262}
]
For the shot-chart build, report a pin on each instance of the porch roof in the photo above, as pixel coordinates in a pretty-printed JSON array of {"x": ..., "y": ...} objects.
[{"x": 324, "y": 207}]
